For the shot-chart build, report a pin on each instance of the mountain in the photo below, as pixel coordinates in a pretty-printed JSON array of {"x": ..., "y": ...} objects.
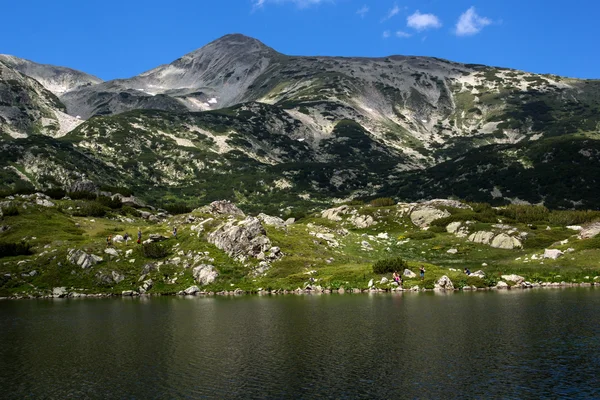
[
  {"x": 237, "y": 119},
  {"x": 57, "y": 80}
]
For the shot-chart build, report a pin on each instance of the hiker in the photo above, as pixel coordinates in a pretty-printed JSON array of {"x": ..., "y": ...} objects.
[
  {"x": 126, "y": 238},
  {"x": 175, "y": 232},
  {"x": 422, "y": 270},
  {"x": 397, "y": 278},
  {"x": 108, "y": 240},
  {"x": 139, "y": 236},
  {"x": 467, "y": 271}
]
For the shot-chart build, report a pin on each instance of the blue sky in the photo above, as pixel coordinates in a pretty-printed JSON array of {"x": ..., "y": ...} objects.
[{"x": 119, "y": 39}]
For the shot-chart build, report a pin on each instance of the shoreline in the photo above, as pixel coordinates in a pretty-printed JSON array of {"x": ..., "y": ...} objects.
[{"x": 306, "y": 291}]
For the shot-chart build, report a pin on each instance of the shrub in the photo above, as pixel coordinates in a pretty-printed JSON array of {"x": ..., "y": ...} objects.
[
  {"x": 82, "y": 195},
  {"x": 110, "y": 202},
  {"x": 354, "y": 203},
  {"x": 15, "y": 249},
  {"x": 114, "y": 189},
  {"x": 421, "y": 235},
  {"x": 382, "y": 202},
  {"x": 10, "y": 211},
  {"x": 128, "y": 210},
  {"x": 389, "y": 265},
  {"x": 525, "y": 214},
  {"x": 90, "y": 209},
  {"x": 177, "y": 208},
  {"x": 56, "y": 193},
  {"x": 154, "y": 250}
]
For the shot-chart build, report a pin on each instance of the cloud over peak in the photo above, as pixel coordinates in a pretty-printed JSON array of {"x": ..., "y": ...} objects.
[
  {"x": 421, "y": 22},
  {"x": 470, "y": 23}
]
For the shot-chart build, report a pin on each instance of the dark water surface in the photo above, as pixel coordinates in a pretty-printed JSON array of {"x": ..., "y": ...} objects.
[{"x": 534, "y": 344}]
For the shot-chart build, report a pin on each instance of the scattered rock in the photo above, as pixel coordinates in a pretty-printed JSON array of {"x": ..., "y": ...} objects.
[
  {"x": 83, "y": 186},
  {"x": 370, "y": 283},
  {"x": 478, "y": 274},
  {"x": 383, "y": 281},
  {"x": 452, "y": 251},
  {"x": 118, "y": 239},
  {"x": 156, "y": 237},
  {"x": 146, "y": 269},
  {"x": 204, "y": 274},
  {"x": 362, "y": 221},
  {"x": 590, "y": 231},
  {"x": 453, "y": 227},
  {"x": 44, "y": 203},
  {"x": 111, "y": 252},
  {"x": 128, "y": 293}
]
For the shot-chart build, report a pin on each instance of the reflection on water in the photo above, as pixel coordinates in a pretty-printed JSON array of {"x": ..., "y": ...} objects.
[{"x": 514, "y": 344}]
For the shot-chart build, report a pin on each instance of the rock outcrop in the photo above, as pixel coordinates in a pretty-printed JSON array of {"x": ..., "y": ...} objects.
[
  {"x": 271, "y": 221},
  {"x": 409, "y": 274},
  {"x": 590, "y": 231},
  {"x": 482, "y": 237},
  {"x": 241, "y": 239},
  {"x": 335, "y": 214},
  {"x": 444, "y": 283},
  {"x": 513, "y": 278},
  {"x": 362, "y": 221},
  {"x": 552, "y": 254},
  {"x": 423, "y": 216}
]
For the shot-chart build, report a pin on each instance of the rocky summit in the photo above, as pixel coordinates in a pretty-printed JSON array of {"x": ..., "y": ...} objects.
[{"x": 238, "y": 120}]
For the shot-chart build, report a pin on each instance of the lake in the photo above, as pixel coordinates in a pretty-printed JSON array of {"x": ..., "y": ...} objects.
[{"x": 512, "y": 344}]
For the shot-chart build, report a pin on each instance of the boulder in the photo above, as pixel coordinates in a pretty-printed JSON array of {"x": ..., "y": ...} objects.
[
  {"x": 204, "y": 274},
  {"x": 370, "y": 283},
  {"x": 156, "y": 237},
  {"x": 147, "y": 284},
  {"x": 444, "y": 283},
  {"x": 452, "y": 251},
  {"x": 146, "y": 269},
  {"x": 104, "y": 279},
  {"x": 222, "y": 207},
  {"x": 59, "y": 292},
  {"x": 192, "y": 290},
  {"x": 478, "y": 274},
  {"x": 590, "y": 231},
  {"x": 362, "y": 221},
  {"x": 271, "y": 221},
  {"x": 513, "y": 278},
  {"x": 552, "y": 253},
  {"x": 118, "y": 239},
  {"x": 44, "y": 203},
  {"x": 502, "y": 285},
  {"x": 241, "y": 239},
  {"x": 453, "y": 227},
  {"x": 409, "y": 274},
  {"x": 82, "y": 259},
  {"x": 128, "y": 293},
  {"x": 334, "y": 214},
  {"x": 118, "y": 278},
  {"x": 504, "y": 241},
  {"x": 129, "y": 201},
  {"x": 383, "y": 281},
  {"x": 423, "y": 216},
  {"x": 111, "y": 252},
  {"x": 482, "y": 237}
]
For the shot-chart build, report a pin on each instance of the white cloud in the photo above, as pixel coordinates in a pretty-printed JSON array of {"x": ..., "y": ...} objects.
[
  {"x": 387, "y": 34},
  {"x": 393, "y": 12},
  {"x": 300, "y": 3},
  {"x": 403, "y": 35},
  {"x": 422, "y": 22},
  {"x": 470, "y": 23},
  {"x": 363, "y": 11}
]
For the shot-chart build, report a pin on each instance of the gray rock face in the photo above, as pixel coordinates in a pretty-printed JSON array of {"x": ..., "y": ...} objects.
[
  {"x": 335, "y": 214},
  {"x": 478, "y": 274},
  {"x": 424, "y": 216},
  {"x": 504, "y": 241},
  {"x": 444, "y": 283},
  {"x": 241, "y": 239},
  {"x": 156, "y": 237},
  {"x": 362, "y": 221},
  {"x": 59, "y": 292},
  {"x": 111, "y": 252},
  {"x": 150, "y": 267},
  {"x": 409, "y": 274},
  {"x": 204, "y": 274},
  {"x": 502, "y": 285},
  {"x": 83, "y": 186},
  {"x": 82, "y": 259},
  {"x": 590, "y": 231},
  {"x": 44, "y": 203}
]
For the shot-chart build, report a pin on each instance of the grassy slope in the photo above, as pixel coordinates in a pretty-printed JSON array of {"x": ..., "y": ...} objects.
[{"x": 52, "y": 231}]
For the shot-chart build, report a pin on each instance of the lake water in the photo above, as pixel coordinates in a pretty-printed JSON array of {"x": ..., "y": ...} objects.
[{"x": 517, "y": 344}]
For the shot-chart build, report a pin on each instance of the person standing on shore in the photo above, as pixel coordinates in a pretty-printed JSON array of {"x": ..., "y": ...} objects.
[
  {"x": 422, "y": 270},
  {"x": 139, "y": 236}
]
